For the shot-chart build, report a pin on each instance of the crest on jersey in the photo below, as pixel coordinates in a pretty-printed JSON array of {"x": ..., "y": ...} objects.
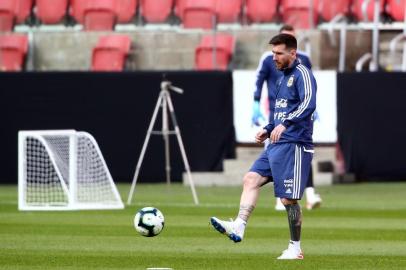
[{"x": 290, "y": 81}]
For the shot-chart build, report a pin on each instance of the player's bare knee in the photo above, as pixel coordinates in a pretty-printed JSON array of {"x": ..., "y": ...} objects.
[{"x": 251, "y": 181}]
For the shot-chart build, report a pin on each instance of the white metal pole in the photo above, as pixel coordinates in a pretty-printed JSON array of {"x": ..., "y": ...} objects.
[
  {"x": 73, "y": 175},
  {"x": 22, "y": 178},
  {"x": 214, "y": 31},
  {"x": 311, "y": 14},
  {"x": 375, "y": 38},
  {"x": 31, "y": 52},
  {"x": 343, "y": 42},
  {"x": 404, "y": 41}
]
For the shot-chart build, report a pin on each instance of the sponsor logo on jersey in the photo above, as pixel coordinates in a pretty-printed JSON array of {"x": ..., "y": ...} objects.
[
  {"x": 279, "y": 116},
  {"x": 288, "y": 191},
  {"x": 288, "y": 183}
]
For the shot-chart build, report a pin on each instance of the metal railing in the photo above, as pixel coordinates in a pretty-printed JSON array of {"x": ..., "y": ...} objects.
[
  {"x": 339, "y": 19},
  {"x": 214, "y": 33},
  {"x": 305, "y": 38},
  {"x": 394, "y": 42},
  {"x": 374, "y": 56},
  {"x": 393, "y": 48},
  {"x": 360, "y": 63},
  {"x": 364, "y": 10}
]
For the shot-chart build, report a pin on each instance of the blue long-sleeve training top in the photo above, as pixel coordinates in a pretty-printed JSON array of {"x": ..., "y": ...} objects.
[
  {"x": 295, "y": 102},
  {"x": 268, "y": 72}
]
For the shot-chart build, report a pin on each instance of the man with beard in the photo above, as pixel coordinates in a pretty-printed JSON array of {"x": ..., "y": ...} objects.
[{"x": 287, "y": 159}]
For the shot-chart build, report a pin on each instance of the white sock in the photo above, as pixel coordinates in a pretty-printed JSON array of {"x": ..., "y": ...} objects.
[
  {"x": 240, "y": 224},
  {"x": 239, "y": 221},
  {"x": 295, "y": 245},
  {"x": 309, "y": 192}
]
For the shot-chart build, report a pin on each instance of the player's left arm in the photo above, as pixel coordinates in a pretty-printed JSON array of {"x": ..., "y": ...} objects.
[{"x": 307, "y": 87}]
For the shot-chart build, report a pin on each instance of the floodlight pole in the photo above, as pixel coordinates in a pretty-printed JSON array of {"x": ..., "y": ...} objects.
[{"x": 165, "y": 101}]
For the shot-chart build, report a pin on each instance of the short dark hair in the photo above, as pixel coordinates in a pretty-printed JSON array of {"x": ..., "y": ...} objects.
[
  {"x": 289, "y": 41},
  {"x": 286, "y": 27}
]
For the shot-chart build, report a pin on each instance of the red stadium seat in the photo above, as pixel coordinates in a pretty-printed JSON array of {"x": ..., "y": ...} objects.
[
  {"x": 110, "y": 53},
  {"x": 156, "y": 10},
  {"x": 329, "y": 9},
  {"x": 99, "y": 10},
  {"x": 297, "y": 13},
  {"x": 228, "y": 11},
  {"x": 77, "y": 9},
  {"x": 222, "y": 45},
  {"x": 179, "y": 7},
  {"x": 259, "y": 11},
  {"x": 121, "y": 42},
  {"x": 221, "y": 41},
  {"x": 356, "y": 9},
  {"x": 199, "y": 14},
  {"x": 126, "y": 10},
  {"x": 13, "y": 48},
  {"x": 51, "y": 11},
  {"x": 23, "y": 10},
  {"x": 100, "y": 15},
  {"x": 396, "y": 9},
  {"x": 7, "y": 15}
]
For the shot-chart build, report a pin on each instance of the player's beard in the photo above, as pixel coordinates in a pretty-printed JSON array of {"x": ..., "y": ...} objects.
[{"x": 281, "y": 65}]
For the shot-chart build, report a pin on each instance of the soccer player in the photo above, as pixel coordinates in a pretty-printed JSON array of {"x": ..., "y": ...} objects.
[
  {"x": 287, "y": 159},
  {"x": 267, "y": 71}
]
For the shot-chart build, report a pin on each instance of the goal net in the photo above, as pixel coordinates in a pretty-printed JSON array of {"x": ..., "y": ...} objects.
[{"x": 63, "y": 170}]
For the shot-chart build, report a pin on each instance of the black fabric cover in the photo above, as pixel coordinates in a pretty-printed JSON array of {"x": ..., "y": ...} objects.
[
  {"x": 116, "y": 108},
  {"x": 372, "y": 124}
]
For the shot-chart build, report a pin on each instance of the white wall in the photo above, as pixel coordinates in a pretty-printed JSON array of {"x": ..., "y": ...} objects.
[{"x": 324, "y": 126}]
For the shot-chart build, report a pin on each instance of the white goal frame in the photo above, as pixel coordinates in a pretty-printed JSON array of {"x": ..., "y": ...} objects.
[{"x": 69, "y": 186}]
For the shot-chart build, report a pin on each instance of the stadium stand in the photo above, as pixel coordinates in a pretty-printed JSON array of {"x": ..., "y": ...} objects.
[
  {"x": 396, "y": 9},
  {"x": 357, "y": 9},
  {"x": 100, "y": 15},
  {"x": 110, "y": 53},
  {"x": 260, "y": 11},
  {"x": 13, "y": 49},
  {"x": 51, "y": 11},
  {"x": 156, "y": 11},
  {"x": 228, "y": 11},
  {"x": 7, "y": 15},
  {"x": 298, "y": 13},
  {"x": 199, "y": 14},
  {"x": 222, "y": 45},
  {"x": 329, "y": 9},
  {"x": 126, "y": 10}
]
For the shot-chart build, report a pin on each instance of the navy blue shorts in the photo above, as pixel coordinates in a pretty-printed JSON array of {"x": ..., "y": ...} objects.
[{"x": 288, "y": 164}]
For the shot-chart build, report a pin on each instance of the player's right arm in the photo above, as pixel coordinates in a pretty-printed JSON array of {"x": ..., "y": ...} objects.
[{"x": 261, "y": 136}]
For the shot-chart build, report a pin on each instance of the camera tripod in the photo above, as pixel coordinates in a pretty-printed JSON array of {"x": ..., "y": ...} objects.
[{"x": 164, "y": 101}]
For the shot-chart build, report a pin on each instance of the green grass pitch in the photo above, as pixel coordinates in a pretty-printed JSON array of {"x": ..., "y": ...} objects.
[{"x": 361, "y": 226}]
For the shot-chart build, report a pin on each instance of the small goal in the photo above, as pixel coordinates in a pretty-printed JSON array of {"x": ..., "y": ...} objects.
[{"x": 63, "y": 170}]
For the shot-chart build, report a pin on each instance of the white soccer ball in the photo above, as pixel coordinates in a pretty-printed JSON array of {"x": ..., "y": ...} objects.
[{"x": 149, "y": 221}]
